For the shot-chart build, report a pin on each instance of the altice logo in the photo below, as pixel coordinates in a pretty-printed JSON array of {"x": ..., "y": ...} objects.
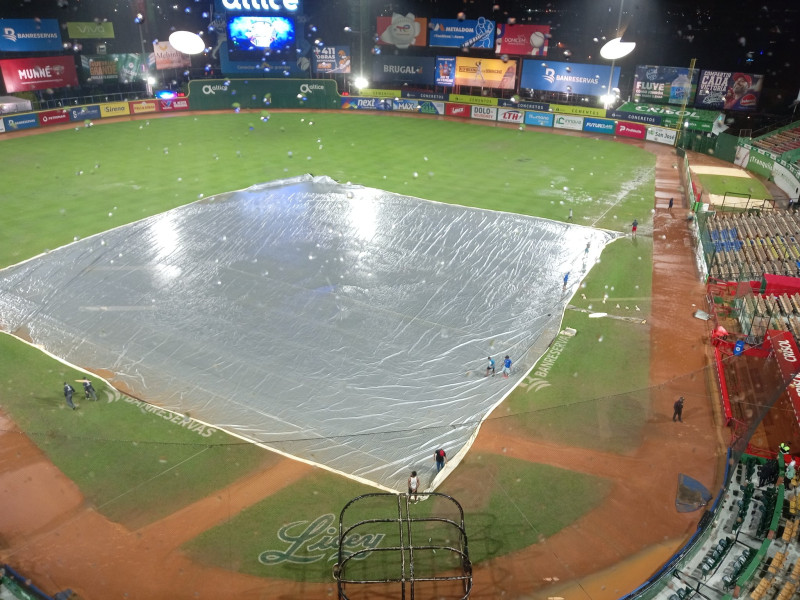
[{"x": 549, "y": 75}]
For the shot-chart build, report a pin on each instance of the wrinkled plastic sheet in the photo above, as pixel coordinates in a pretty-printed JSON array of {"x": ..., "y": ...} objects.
[{"x": 345, "y": 326}]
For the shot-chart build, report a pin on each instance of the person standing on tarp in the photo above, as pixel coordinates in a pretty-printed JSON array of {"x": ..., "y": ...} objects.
[
  {"x": 677, "y": 410},
  {"x": 440, "y": 458},
  {"x": 68, "y": 391},
  {"x": 490, "y": 367}
]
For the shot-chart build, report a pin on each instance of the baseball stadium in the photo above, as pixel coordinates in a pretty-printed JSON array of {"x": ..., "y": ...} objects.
[{"x": 242, "y": 318}]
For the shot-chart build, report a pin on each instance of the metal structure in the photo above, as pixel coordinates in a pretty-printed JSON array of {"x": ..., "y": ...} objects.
[{"x": 409, "y": 550}]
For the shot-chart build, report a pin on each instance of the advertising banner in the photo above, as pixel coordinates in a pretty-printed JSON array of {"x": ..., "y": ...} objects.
[
  {"x": 114, "y": 109},
  {"x": 30, "y": 35},
  {"x": 220, "y": 94},
  {"x": 405, "y": 69},
  {"x": 99, "y": 69},
  {"x": 467, "y": 99},
  {"x": 428, "y": 107},
  {"x": 402, "y": 104},
  {"x": 457, "y": 110},
  {"x": 664, "y": 85},
  {"x": 486, "y": 73},
  {"x": 402, "y": 31},
  {"x": 485, "y": 113},
  {"x": 631, "y": 130},
  {"x": 528, "y": 40},
  {"x": 445, "y": 71},
  {"x": 539, "y": 119},
  {"x": 667, "y": 116},
  {"x": 728, "y": 91},
  {"x": 354, "y": 103},
  {"x": 593, "y": 125},
  {"x": 173, "y": 104},
  {"x": 540, "y": 106},
  {"x": 510, "y": 115},
  {"x": 627, "y": 115},
  {"x": 168, "y": 57},
  {"x": 26, "y": 74},
  {"x": 144, "y": 106},
  {"x": 422, "y": 95},
  {"x": 661, "y": 135},
  {"x": 568, "y": 122},
  {"x": 85, "y": 113},
  {"x": 454, "y": 33},
  {"x": 751, "y": 159},
  {"x": 376, "y": 93},
  {"x": 89, "y": 30},
  {"x": 2, "y": 126},
  {"x": 586, "y": 111},
  {"x": 568, "y": 78},
  {"x": 268, "y": 66},
  {"x": 18, "y": 122},
  {"x": 53, "y": 117},
  {"x": 331, "y": 59}
]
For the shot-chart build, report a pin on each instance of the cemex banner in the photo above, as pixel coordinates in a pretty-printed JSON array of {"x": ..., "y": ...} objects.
[
  {"x": 568, "y": 78},
  {"x": 454, "y": 33},
  {"x": 405, "y": 69},
  {"x": 728, "y": 91},
  {"x": 402, "y": 31},
  {"x": 666, "y": 116},
  {"x": 30, "y": 35},
  {"x": 331, "y": 59},
  {"x": 486, "y": 73},
  {"x": 664, "y": 85},
  {"x": 528, "y": 40},
  {"x": 26, "y": 74}
]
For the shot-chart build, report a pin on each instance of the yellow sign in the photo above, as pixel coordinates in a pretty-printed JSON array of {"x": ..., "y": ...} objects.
[
  {"x": 586, "y": 111},
  {"x": 472, "y": 99},
  {"x": 370, "y": 93},
  {"x": 115, "y": 109},
  {"x": 486, "y": 72}
]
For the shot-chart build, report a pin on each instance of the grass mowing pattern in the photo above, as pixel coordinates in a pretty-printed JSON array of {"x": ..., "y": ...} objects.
[
  {"x": 740, "y": 186},
  {"x": 68, "y": 184}
]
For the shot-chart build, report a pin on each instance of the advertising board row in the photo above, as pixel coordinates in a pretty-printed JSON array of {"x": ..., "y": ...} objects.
[{"x": 86, "y": 114}]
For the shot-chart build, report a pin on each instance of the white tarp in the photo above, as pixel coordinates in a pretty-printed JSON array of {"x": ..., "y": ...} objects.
[{"x": 345, "y": 326}]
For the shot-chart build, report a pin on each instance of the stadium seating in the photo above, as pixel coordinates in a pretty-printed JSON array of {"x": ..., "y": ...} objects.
[{"x": 780, "y": 142}]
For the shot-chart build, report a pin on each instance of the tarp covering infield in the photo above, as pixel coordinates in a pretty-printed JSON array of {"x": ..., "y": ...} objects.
[{"x": 345, "y": 326}]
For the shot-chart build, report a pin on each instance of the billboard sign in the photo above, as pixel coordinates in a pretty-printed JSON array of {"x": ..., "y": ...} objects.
[
  {"x": 173, "y": 104},
  {"x": 115, "y": 109},
  {"x": 331, "y": 59},
  {"x": 85, "y": 113},
  {"x": 144, "y": 106},
  {"x": 539, "y": 119},
  {"x": 568, "y": 122},
  {"x": 405, "y": 105},
  {"x": 661, "y": 135},
  {"x": 99, "y": 69},
  {"x": 445, "y": 71},
  {"x": 528, "y": 40},
  {"x": 728, "y": 91},
  {"x": 417, "y": 95},
  {"x": 510, "y": 115},
  {"x": 455, "y": 33},
  {"x": 168, "y": 57},
  {"x": 26, "y": 74},
  {"x": 486, "y": 73},
  {"x": 253, "y": 6},
  {"x": 405, "y": 69},
  {"x": 402, "y": 31},
  {"x": 667, "y": 116},
  {"x": 428, "y": 107},
  {"x": 484, "y": 113},
  {"x": 53, "y": 117},
  {"x": 540, "y": 106},
  {"x": 568, "y": 78},
  {"x": 664, "y": 85},
  {"x": 30, "y": 35},
  {"x": 599, "y": 125},
  {"x": 90, "y": 30},
  {"x": 631, "y": 130},
  {"x": 354, "y": 103},
  {"x": 457, "y": 110},
  {"x": 16, "y": 123}
]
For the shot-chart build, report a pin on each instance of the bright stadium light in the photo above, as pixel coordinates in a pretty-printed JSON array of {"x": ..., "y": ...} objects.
[
  {"x": 187, "y": 42},
  {"x": 360, "y": 82},
  {"x": 616, "y": 48}
]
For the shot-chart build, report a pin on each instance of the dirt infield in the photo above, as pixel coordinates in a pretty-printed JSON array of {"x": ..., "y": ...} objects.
[{"x": 607, "y": 553}]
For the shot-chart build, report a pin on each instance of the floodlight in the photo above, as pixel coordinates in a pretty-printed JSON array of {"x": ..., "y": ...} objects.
[
  {"x": 616, "y": 48},
  {"x": 187, "y": 42}
]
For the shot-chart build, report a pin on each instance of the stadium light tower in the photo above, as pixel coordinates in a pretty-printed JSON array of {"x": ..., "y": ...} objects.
[{"x": 612, "y": 50}]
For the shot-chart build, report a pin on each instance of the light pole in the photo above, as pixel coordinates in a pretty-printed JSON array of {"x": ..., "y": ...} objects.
[
  {"x": 139, "y": 20},
  {"x": 612, "y": 50}
]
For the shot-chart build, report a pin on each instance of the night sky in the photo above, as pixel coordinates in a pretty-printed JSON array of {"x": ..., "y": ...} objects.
[{"x": 737, "y": 35}]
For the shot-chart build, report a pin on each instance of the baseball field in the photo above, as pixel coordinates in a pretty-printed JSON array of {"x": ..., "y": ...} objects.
[{"x": 568, "y": 489}]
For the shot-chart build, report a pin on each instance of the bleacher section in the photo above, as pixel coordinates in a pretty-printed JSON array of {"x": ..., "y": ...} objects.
[
  {"x": 748, "y": 245},
  {"x": 780, "y": 141}
]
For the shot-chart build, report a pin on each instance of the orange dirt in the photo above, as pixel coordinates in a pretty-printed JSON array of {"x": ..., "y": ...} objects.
[{"x": 52, "y": 537}]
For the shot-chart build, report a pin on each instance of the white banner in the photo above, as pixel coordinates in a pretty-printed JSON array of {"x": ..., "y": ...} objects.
[
  {"x": 568, "y": 122},
  {"x": 509, "y": 115},
  {"x": 661, "y": 135},
  {"x": 486, "y": 113}
]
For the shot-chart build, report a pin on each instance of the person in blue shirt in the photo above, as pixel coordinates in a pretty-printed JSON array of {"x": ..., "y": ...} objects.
[
  {"x": 506, "y": 366},
  {"x": 566, "y": 278},
  {"x": 490, "y": 367}
]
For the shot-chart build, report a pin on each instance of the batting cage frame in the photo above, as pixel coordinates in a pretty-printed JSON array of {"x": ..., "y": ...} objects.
[{"x": 405, "y": 567}]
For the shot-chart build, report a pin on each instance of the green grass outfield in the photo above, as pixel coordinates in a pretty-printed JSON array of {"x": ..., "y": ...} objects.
[
  {"x": 137, "y": 464},
  {"x": 740, "y": 186}
]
